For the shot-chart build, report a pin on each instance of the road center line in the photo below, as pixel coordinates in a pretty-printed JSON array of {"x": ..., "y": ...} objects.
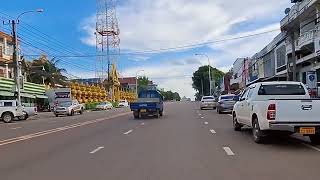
[
  {"x": 128, "y": 132},
  {"x": 96, "y": 150},
  {"x": 228, "y": 151},
  {"x": 206, "y": 123},
  {"x": 16, "y": 128},
  {"x": 213, "y": 131},
  {"x": 310, "y": 146},
  {"x": 51, "y": 131}
]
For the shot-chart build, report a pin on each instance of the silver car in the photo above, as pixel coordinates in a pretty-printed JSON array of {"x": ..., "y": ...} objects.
[
  {"x": 226, "y": 103},
  {"x": 208, "y": 102}
]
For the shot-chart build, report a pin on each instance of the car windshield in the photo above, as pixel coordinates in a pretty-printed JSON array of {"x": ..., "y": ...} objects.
[
  {"x": 226, "y": 98},
  {"x": 65, "y": 104},
  {"x": 208, "y": 98},
  {"x": 282, "y": 89}
]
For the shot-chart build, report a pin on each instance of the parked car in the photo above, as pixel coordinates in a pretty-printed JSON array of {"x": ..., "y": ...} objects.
[
  {"x": 9, "y": 110},
  {"x": 68, "y": 108},
  {"x": 226, "y": 102},
  {"x": 123, "y": 103},
  {"x": 278, "y": 107},
  {"x": 149, "y": 102},
  {"x": 28, "y": 111},
  {"x": 208, "y": 102},
  {"x": 104, "y": 106}
]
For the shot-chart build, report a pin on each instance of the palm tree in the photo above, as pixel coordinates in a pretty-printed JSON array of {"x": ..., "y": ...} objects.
[{"x": 44, "y": 69}]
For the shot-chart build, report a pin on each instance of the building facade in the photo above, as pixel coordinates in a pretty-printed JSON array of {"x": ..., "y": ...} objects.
[{"x": 6, "y": 55}]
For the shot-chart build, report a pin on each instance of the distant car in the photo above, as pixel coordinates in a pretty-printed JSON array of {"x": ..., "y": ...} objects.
[
  {"x": 68, "y": 108},
  {"x": 208, "y": 102},
  {"x": 104, "y": 106},
  {"x": 226, "y": 103},
  {"x": 123, "y": 103}
]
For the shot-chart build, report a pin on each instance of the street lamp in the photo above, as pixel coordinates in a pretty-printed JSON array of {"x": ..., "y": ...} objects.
[
  {"x": 16, "y": 57},
  {"x": 209, "y": 67},
  {"x": 137, "y": 81}
]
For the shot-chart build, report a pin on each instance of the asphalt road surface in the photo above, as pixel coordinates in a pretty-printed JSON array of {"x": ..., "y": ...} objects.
[{"x": 185, "y": 144}]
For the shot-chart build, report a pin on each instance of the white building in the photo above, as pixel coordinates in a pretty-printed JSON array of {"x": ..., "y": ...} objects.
[{"x": 303, "y": 21}]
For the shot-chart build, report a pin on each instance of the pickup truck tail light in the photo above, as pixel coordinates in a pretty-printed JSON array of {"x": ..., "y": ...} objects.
[{"x": 271, "y": 113}]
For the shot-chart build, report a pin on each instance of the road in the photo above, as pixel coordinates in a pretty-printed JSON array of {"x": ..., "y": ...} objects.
[{"x": 186, "y": 144}]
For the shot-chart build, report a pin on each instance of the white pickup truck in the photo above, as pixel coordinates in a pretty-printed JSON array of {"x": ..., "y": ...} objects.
[
  {"x": 9, "y": 111},
  {"x": 278, "y": 107}
]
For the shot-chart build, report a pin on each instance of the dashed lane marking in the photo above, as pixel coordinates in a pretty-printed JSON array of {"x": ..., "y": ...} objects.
[
  {"x": 310, "y": 146},
  {"x": 206, "y": 123},
  {"x": 202, "y": 117},
  {"x": 16, "y": 128},
  {"x": 128, "y": 132},
  {"x": 228, "y": 151},
  {"x": 213, "y": 131},
  {"x": 96, "y": 150}
]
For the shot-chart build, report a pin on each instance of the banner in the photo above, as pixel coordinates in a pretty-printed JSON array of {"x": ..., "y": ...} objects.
[{"x": 312, "y": 80}]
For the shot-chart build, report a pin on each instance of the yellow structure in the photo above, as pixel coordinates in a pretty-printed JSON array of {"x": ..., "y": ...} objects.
[
  {"x": 88, "y": 94},
  {"x": 117, "y": 93}
]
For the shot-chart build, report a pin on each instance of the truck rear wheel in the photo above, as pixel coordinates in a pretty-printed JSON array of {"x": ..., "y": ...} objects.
[
  {"x": 315, "y": 139},
  {"x": 136, "y": 115},
  {"x": 7, "y": 117},
  {"x": 157, "y": 115},
  {"x": 257, "y": 134}
]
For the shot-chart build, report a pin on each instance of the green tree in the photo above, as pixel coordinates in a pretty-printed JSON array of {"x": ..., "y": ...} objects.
[
  {"x": 41, "y": 68},
  {"x": 169, "y": 96},
  {"x": 201, "y": 79},
  {"x": 143, "y": 83}
]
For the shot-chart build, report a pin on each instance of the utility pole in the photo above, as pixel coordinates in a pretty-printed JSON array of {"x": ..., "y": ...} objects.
[
  {"x": 294, "y": 61},
  {"x": 16, "y": 61},
  {"x": 202, "y": 87}
]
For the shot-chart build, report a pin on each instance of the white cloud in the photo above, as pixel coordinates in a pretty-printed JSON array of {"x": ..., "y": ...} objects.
[{"x": 149, "y": 24}]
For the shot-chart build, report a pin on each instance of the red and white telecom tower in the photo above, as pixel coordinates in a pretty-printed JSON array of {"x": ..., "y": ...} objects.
[{"x": 107, "y": 38}]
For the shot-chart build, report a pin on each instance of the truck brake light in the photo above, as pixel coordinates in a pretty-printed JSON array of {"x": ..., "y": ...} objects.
[{"x": 271, "y": 113}]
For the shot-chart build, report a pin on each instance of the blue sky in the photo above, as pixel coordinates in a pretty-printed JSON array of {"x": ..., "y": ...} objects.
[{"x": 147, "y": 24}]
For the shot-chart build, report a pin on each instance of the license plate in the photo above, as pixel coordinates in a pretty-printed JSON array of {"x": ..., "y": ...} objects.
[
  {"x": 307, "y": 130},
  {"x": 143, "y": 110}
]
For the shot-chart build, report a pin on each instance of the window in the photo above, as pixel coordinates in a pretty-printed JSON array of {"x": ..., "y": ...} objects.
[
  {"x": 206, "y": 98},
  {"x": 227, "y": 97},
  {"x": 245, "y": 94},
  {"x": 282, "y": 89},
  {"x": 281, "y": 56},
  {"x": 250, "y": 93},
  {"x": 7, "y": 104}
]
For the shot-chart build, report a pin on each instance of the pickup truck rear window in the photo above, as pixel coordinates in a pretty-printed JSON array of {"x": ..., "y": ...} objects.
[{"x": 282, "y": 89}]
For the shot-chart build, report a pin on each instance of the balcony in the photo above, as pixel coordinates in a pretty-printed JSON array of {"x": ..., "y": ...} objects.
[
  {"x": 307, "y": 38},
  {"x": 296, "y": 10}
]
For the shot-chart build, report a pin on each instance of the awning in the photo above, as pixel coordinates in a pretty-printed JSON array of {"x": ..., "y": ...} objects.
[
  {"x": 6, "y": 93},
  {"x": 27, "y": 95},
  {"x": 41, "y": 97}
]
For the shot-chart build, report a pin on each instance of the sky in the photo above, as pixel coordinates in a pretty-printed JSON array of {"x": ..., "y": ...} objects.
[{"x": 67, "y": 28}]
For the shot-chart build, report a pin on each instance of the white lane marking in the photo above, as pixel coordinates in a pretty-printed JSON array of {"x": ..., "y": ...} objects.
[
  {"x": 213, "y": 131},
  {"x": 202, "y": 117},
  {"x": 16, "y": 128},
  {"x": 142, "y": 124},
  {"x": 51, "y": 131},
  {"x": 310, "y": 146},
  {"x": 128, "y": 132},
  {"x": 206, "y": 123},
  {"x": 228, "y": 151},
  {"x": 230, "y": 115},
  {"x": 96, "y": 150}
]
